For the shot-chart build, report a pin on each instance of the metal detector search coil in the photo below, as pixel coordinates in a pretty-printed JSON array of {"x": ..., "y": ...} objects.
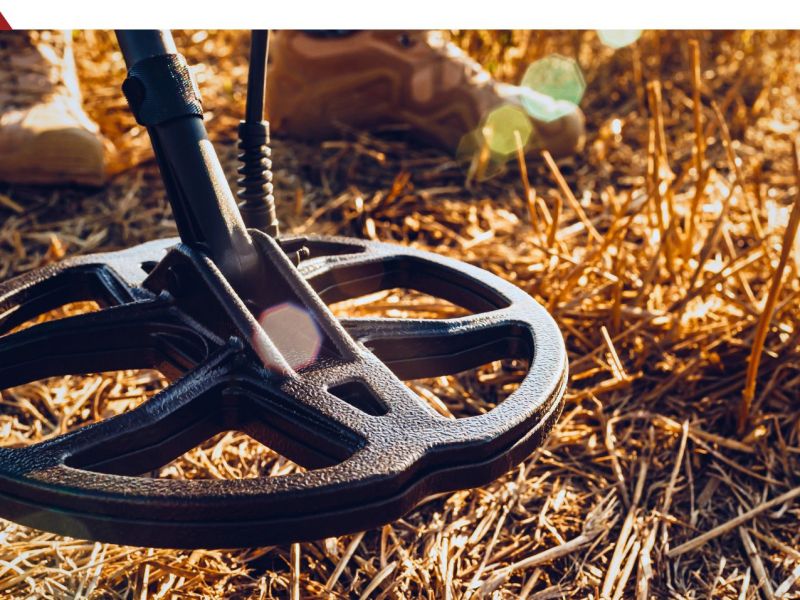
[{"x": 329, "y": 394}]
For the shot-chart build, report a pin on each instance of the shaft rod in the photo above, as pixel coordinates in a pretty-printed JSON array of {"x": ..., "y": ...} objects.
[{"x": 202, "y": 202}]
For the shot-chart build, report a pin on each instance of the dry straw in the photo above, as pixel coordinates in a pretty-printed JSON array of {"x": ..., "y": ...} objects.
[{"x": 664, "y": 251}]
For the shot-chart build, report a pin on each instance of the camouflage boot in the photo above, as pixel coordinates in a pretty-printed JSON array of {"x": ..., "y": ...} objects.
[
  {"x": 45, "y": 136},
  {"x": 416, "y": 79}
]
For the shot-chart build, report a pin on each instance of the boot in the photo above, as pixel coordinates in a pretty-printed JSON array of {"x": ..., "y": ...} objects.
[
  {"x": 366, "y": 79},
  {"x": 45, "y": 136}
]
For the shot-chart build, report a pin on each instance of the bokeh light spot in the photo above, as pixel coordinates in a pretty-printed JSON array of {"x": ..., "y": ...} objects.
[
  {"x": 544, "y": 108},
  {"x": 499, "y": 128},
  {"x": 294, "y": 333},
  {"x": 618, "y": 38},
  {"x": 552, "y": 87},
  {"x": 469, "y": 146},
  {"x": 482, "y": 163}
]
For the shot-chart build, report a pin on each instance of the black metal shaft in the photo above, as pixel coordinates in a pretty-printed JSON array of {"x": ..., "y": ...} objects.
[
  {"x": 257, "y": 75},
  {"x": 257, "y": 204},
  {"x": 203, "y": 205}
]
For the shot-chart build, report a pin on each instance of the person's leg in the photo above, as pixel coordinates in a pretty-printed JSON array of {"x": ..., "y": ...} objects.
[
  {"x": 366, "y": 79},
  {"x": 45, "y": 136}
]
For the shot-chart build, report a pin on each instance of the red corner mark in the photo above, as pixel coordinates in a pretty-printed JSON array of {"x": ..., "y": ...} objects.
[{"x": 4, "y": 26}]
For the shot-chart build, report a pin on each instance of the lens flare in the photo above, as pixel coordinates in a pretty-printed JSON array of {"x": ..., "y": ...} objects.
[
  {"x": 552, "y": 87},
  {"x": 618, "y": 38},
  {"x": 499, "y": 128},
  {"x": 294, "y": 332},
  {"x": 543, "y": 107},
  {"x": 483, "y": 162}
]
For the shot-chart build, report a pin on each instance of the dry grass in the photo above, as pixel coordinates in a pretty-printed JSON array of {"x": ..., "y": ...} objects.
[{"x": 645, "y": 487}]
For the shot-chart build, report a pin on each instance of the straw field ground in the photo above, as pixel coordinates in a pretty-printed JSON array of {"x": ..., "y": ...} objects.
[{"x": 666, "y": 252}]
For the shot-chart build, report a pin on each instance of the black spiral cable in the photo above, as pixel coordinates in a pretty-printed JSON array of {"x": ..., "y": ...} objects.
[{"x": 257, "y": 204}]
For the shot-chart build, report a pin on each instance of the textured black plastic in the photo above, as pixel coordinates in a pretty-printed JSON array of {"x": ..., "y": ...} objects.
[
  {"x": 167, "y": 306},
  {"x": 161, "y": 88}
]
